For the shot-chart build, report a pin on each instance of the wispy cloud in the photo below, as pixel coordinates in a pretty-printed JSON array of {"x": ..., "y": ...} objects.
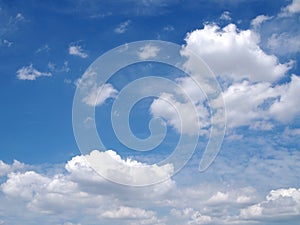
[
  {"x": 122, "y": 27},
  {"x": 44, "y": 48},
  {"x": 30, "y": 73}
]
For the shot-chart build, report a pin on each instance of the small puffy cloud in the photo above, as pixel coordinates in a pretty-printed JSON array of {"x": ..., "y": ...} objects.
[
  {"x": 122, "y": 27},
  {"x": 30, "y": 73},
  {"x": 235, "y": 53},
  {"x": 225, "y": 16},
  {"x": 148, "y": 52},
  {"x": 257, "y": 21},
  {"x": 77, "y": 50}
]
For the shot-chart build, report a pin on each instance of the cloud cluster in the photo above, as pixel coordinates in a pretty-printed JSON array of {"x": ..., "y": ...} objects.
[
  {"x": 79, "y": 195},
  {"x": 249, "y": 76}
]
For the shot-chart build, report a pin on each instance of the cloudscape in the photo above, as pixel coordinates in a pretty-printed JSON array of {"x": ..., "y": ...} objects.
[{"x": 198, "y": 124}]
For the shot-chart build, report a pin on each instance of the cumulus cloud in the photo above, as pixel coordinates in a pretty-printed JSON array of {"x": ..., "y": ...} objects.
[
  {"x": 30, "y": 73},
  {"x": 249, "y": 76},
  {"x": 235, "y": 53},
  {"x": 280, "y": 205},
  {"x": 79, "y": 190},
  {"x": 122, "y": 27},
  {"x": 77, "y": 50},
  {"x": 7, "y": 168}
]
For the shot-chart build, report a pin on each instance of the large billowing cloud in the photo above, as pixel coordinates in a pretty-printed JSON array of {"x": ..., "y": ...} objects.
[{"x": 235, "y": 53}]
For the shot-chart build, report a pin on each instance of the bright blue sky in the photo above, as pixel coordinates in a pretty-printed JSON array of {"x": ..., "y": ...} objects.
[{"x": 253, "y": 47}]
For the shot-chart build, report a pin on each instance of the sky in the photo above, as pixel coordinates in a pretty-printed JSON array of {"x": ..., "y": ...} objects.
[{"x": 231, "y": 102}]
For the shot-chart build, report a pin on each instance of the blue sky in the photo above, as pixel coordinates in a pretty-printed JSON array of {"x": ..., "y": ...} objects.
[{"x": 252, "y": 47}]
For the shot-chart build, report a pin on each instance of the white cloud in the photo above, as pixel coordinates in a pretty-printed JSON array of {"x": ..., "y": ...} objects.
[
  {"x": 225, "y": 16},
  {"x": 127, "y": 171},
  {"x": 148, "y": 52},
  {"x": 77, "y": 50},
  {"x": 185, "y": 117},
  {"x": 81, "y": 196},
  {"x": 122, "y": 27},
  {"x": 30, "y": 73},
  {"x": 95, "y": 94},
  {"x": 291, "y": 9},
  {"x": 7, "y": 43},
  {"x": 6, "y": 168},
  {"x": 193, "y": 216},
  {"x": 235, "y": 53},
  {"x": 286, "y": 108},
  {"x": 44, "y": 48},
  {"x": 70, "y": 223},
  {"x": 257, "y": 21},
  {"x": 128, "y": 213},
  {"x": 280, "y": 204},
  {"x": 96, "y": 97},
  {"x": 284, "y": 43},
  {"x": 169, "y": 28}
]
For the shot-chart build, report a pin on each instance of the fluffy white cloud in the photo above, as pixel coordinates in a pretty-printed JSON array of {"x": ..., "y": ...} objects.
[
  {"x": 77, "y": 50},
  {"x": 235, "y": 53},
  {"x": 82, "y": 191},
  {"x": 128, "y": 172},
  {"x": 122, "y": 27},
  {"x": 30, "y": 73},
  {"x": 79, "y": 190}
]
